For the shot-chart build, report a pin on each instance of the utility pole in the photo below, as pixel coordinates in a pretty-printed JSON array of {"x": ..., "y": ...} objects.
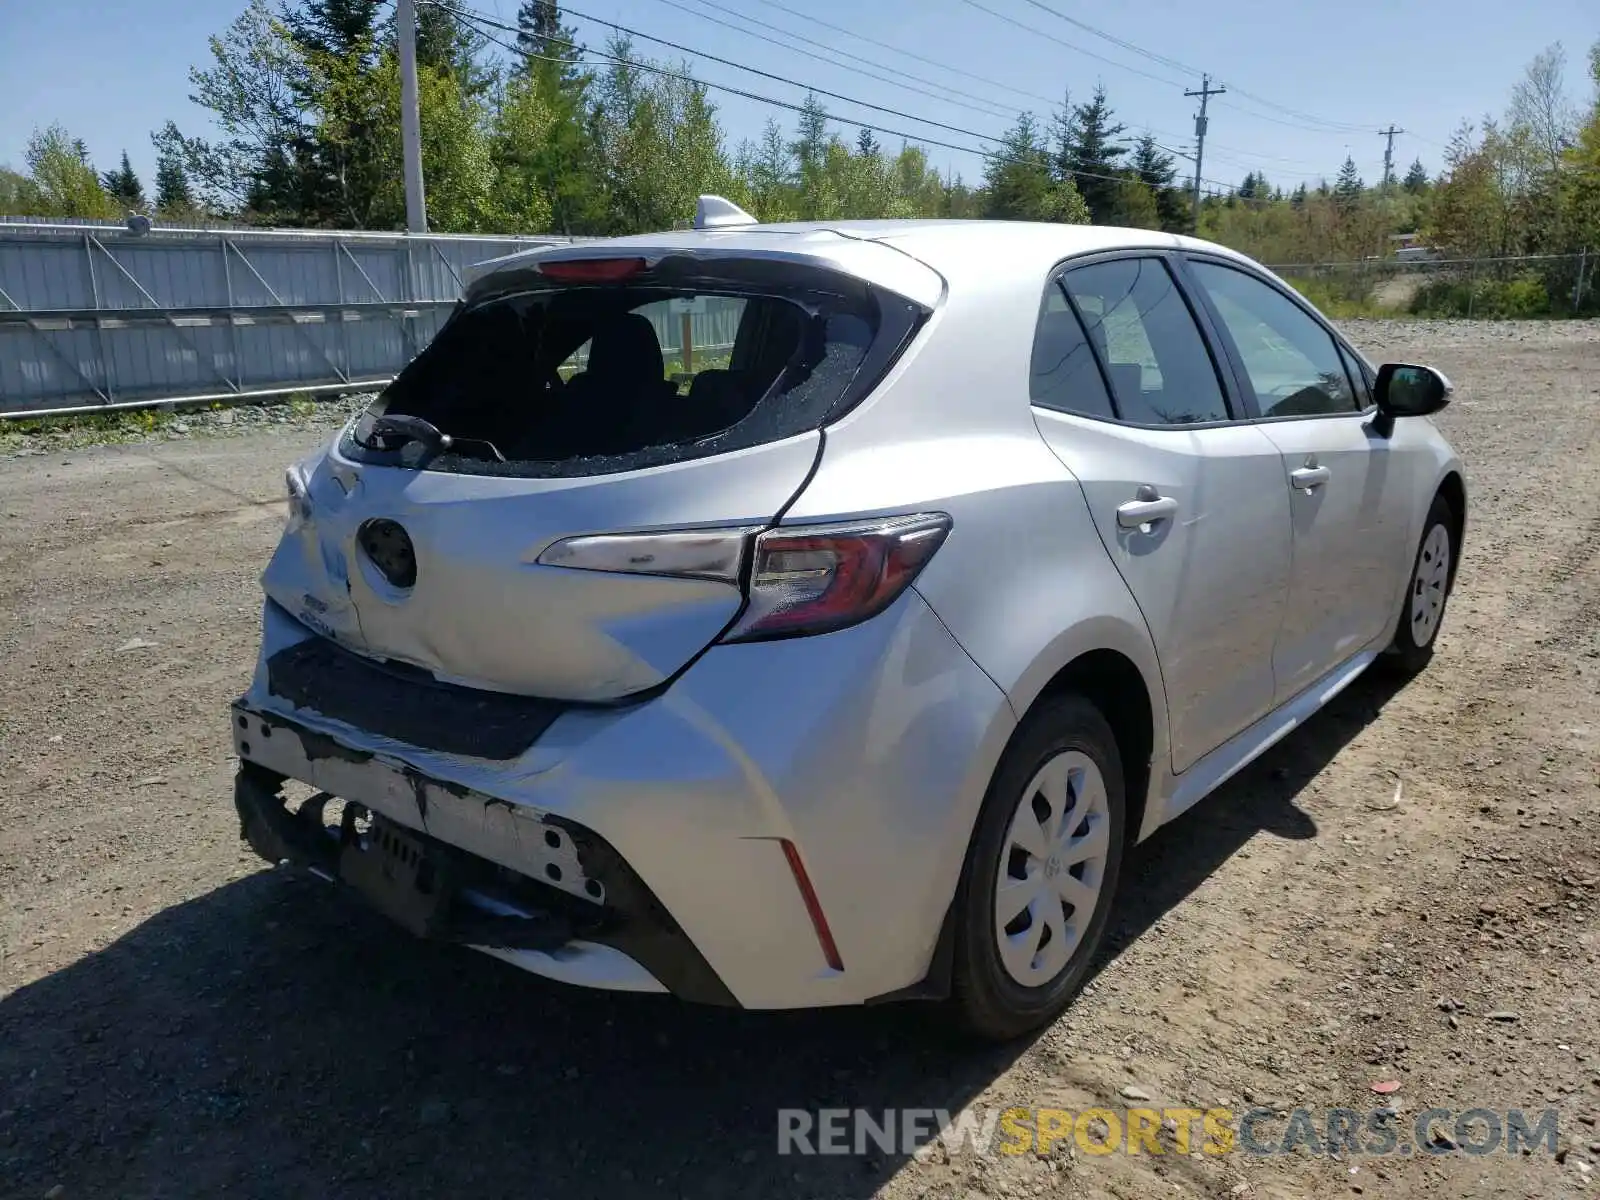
[
  {"x": 410, "y": 120},
  {"x": 1388, "y": 154},
  {"x": 1205, "y": 93}
]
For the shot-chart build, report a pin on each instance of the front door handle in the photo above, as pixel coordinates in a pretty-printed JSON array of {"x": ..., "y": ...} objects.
[
  {"x": 1150, "y": 507},
  {"x": 1310, "y": 478}
]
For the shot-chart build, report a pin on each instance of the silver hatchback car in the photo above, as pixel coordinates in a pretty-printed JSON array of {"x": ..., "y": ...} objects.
[{"x": 815, "y": 614}]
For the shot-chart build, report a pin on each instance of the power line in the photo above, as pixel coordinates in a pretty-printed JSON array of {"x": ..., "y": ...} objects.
[
  {"x": 988, "y": 107},
  {"x": 1291, "y": 124},
  {"x": 481, "y": 23},
  {"x": 1173, "y": 63},
  {"x": 1185, "y": 68},
  {"x": 814, "y": 20},
  {"x": 1303, "y": 119},
  {"x": 1023, "y": 25},
  {"x": 727, "y": 62},
  {"x": 885, "y": 45},
  {"x": 946, "y": 67}
]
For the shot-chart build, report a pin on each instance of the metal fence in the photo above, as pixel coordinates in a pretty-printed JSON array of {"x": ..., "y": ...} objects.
[{"x": 93, "y": 316}]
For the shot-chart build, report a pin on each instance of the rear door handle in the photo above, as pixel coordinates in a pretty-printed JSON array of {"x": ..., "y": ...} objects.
[
  {"x": 1147, "y": 509},
  {"x": 1309, "y": 478}
]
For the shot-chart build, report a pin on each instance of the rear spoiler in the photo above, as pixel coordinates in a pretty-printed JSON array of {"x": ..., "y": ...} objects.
[{"x": 873, "y": 262}]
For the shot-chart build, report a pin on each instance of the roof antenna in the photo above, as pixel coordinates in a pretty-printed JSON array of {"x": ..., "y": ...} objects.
[{"x": 713, "y": 212}]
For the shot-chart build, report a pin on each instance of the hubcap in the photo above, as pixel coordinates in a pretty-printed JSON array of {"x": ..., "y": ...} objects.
[
  {"x": 1429, "y": 584},
  {"x": 1052, "y": 865}
]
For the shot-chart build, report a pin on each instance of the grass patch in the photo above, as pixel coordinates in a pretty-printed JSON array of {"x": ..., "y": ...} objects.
[
  {"x": 85, "y": 429},
  {"x": 1341, "y": 298}
]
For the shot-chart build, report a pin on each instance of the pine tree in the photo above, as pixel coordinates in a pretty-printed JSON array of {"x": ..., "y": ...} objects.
[
  {"x": 1416, "y": 180},
  {"x": 1157, "y": 172},
  {"x": 447, "y": 45},
  {"x": 568, "y": 160},
  {"x": 1094, "y": 156},
  {"x": 123, "y": 185},
  {"x": 1063, "y": 134},
  {"x": 812, "y": 142},
  {"x": 867, "y": 145},
  {"x": 540, "y": 33},
  {"x": 1020, "y": 184},
  {"x": 1347, "y": 191},
  {"x": 338, "y": 28},
  {"x": 173, "y": 194},
  {"x": 769, "y": 174}
]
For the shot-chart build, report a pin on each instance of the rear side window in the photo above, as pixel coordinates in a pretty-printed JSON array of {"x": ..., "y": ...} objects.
[
  {"x": 1161, "y": 372},
  {"x": 1064, "y": 376},
  {"x": 1291, "y": 360},
  {"x": 590, "y": 379}
]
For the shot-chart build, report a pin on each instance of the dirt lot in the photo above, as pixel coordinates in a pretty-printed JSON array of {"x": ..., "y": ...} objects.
[{"x": 177, "y": 1021}]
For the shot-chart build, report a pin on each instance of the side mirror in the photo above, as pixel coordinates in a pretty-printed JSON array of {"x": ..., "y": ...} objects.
[{"x": 1403, "y": 390}]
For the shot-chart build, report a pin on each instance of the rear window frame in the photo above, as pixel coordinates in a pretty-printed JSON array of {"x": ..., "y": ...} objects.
[{"x": 898, "y": 320}]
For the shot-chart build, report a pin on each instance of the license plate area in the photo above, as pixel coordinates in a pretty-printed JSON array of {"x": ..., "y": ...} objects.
[{"x": 393, "y": 870}]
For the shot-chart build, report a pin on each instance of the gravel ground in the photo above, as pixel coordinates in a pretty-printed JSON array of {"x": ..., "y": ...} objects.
[{"x": 177, "y": 1021}]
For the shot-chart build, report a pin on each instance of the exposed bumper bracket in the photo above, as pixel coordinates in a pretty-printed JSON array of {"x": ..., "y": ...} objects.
[
  {"x": 567, "y": 885},
  {"x": 390, "y": 868}
]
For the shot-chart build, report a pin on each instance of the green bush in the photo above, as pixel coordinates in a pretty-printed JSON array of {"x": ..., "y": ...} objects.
[
  {"x": 1527, "y": 297},
  {"x": 1491, "y": 299}
]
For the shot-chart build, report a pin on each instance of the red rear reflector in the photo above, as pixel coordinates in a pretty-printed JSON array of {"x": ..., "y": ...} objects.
[
  {"x": 591, "y": 270},
  {"x": 830, "y": 952}
]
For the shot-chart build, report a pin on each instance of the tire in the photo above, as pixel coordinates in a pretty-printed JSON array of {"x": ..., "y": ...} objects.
[
  {"x": 1008, "y": 980},
  {"x": 1427, "y": 592}
]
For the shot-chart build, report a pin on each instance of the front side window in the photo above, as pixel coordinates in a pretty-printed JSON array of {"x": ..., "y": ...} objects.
[
  {"x": 1292, "y": 362},
  {"x": 1141, "y": 326}
]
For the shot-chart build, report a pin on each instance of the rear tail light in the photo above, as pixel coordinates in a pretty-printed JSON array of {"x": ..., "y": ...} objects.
[
  {"x": 802, "y": 579},
  {"x": 687, "y": 554},
  {"x": 818, "y": 578}
]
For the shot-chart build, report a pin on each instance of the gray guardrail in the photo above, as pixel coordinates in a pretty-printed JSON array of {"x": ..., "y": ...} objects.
[{"x": 97, "y": 316}]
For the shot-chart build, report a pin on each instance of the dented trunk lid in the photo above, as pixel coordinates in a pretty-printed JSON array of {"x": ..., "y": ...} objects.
[{"x": 482, "y": 612}]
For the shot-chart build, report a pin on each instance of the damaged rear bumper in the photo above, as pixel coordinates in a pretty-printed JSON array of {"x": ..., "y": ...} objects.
[{"x": 456, "y": 865}]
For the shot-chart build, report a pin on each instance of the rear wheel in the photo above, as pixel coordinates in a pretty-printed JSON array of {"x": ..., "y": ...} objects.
[
  {"x": 1422, "y": 611},
  {"x": 1040, "y": 874}
]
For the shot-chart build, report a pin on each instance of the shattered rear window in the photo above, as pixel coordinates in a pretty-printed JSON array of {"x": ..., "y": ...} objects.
[{"x": 548, "y": 379}]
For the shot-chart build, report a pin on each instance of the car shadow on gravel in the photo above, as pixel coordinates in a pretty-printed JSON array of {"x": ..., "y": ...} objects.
[
  {"x": 1177, "y": 858},
  {"x": 270, "y": 1039}
]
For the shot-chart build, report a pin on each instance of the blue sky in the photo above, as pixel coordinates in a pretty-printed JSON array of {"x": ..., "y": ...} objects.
[{"x": 112, "y": 71}]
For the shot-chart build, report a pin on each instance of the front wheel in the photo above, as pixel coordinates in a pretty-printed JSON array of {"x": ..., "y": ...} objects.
[
  {"x": 1037, "y": 887},
  {"x": 1422, "y": 612}
]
